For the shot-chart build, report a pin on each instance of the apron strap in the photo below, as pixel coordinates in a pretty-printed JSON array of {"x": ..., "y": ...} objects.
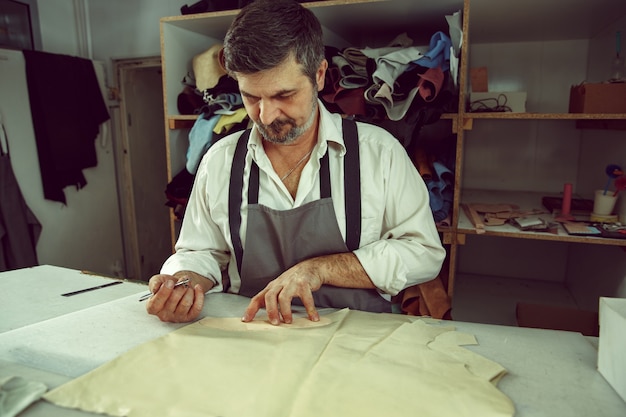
[
  {"x": 352, "y": 188},
  {"x": 352, "y": 184},
  {"x": 253, "y": 184},
  {"x": 234, "y": 195},
  {"x": 324, "y": 177}
]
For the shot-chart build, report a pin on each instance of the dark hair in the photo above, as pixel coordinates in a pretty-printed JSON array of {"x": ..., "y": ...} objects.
[{"x": 266, "y": 32}]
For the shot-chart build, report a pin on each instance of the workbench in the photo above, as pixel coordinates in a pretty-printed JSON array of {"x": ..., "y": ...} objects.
[{"x": 50, "y": 338}]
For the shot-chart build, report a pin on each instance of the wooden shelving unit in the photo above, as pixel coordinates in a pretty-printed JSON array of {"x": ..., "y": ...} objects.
[{"x": 536, "y": 28}]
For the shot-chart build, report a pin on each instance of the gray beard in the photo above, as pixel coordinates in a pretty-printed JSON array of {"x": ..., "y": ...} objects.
[{"x": 294, "y": 133}]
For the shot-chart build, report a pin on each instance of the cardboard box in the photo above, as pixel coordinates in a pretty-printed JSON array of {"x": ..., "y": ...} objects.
[
  {"x": 598, "y": 98},
  {"x": 611, "y": 351},
  {"x": 513, "y": 101},
  {"x": 479, "y": 80},
  {"x": 541, "y": 316}
]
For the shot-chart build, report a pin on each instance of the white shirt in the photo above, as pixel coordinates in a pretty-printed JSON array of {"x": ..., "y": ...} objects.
[{"x": 400, "y": 245}]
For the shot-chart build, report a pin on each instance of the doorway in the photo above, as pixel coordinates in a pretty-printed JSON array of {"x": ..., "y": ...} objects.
[{"x": 141, "y": 165}]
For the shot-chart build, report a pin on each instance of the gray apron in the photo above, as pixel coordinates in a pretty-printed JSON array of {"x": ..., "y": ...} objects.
[{"x": 278, "y": 239}]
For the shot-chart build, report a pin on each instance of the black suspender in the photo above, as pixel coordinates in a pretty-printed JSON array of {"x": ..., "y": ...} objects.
[
  {"x": 352, "y": 187},
  {"x": 352, "y": 184},
  {"x": 234, "y": 195}
]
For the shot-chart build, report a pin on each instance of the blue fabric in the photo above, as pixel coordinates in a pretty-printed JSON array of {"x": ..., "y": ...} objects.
[
  {"x": 200, "y": 140},
  {"x": 225, "y": 103},
  {"x": 440, "y": 190},
  {"x": 228, "y": 101},
  {"x": 438, "y": 54}
]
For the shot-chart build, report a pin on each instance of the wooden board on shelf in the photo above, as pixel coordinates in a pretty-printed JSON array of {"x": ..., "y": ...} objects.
[
  {"x": 181, "y": 122},
  {"x": 526, "y": 201},
  {"x": 474, "y": 217},
  {"x": 550, "y": 116}
]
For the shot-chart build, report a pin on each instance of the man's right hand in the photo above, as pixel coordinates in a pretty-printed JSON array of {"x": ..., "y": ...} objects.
[{"x": 176, "y": 305}]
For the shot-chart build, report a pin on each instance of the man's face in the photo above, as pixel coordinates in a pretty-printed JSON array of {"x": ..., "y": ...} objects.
[{"x": 281, "y": 101}]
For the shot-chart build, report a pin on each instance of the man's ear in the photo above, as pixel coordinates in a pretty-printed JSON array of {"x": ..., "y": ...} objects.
[{"x": 320, "y": 76}]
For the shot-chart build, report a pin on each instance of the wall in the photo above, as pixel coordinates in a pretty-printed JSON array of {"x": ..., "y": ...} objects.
[
  {"x": 599, "y": 271},
  {"x": 86, "y": 233},
  {"x": 552, "y": 152},
  {"x": 136, "y": 30},
  {"x": 59, "y": 27},
  {"x": 136, "y": 34},
  {"x": 524, "y": 155}
]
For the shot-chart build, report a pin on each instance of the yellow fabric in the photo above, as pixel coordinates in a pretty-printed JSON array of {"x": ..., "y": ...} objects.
[
  {"x": 351, "y": 364},
  {"x": 227, "y": 121}
]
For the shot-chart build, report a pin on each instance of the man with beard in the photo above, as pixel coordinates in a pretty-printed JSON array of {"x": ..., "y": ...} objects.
[{"x": 306, "y": 207}]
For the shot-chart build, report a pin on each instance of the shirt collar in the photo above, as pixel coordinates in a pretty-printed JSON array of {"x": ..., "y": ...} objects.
[{"x": 330, "y": 131}]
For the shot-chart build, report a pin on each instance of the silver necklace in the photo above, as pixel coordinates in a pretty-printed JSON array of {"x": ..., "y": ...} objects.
[{"x": 284, "y": 177}]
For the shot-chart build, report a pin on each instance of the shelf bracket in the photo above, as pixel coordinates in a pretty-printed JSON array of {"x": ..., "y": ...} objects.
[
  {"x": 450, "y": 238},
  {"x": 173, "y": 123},
  {"x": 467, "y": 124}
]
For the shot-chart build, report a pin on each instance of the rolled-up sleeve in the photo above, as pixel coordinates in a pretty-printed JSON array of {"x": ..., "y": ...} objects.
[
  {"x": 201, "y": 246},
  {"x": 400, "y": 245}
]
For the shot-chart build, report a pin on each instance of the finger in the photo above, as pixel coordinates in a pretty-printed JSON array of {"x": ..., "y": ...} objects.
[
  {"x": 166, "y": 316},
  {"x": 198, "y": 303},
  {"x": 176, "y": 295},
  {"x": 254, "y": 306},
  {"x": 157, "y": 302},
  {"x": 156, "y": 281},
  {"x": 309, "y": 304},
  {"x": 271, "y": 306},
  {"x": 284, "y": 301},
  {"x": 191, "y": 304},
  {"x": 175, "y": 314},
  {"x": 185, "y": 303}
]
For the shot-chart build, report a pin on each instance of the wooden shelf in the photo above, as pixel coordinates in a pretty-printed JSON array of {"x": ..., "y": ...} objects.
[
  {"x": 525, "y": 201},
  {"x": 610, "y": 121},
  {"x": 549, "y": 116},
  {"x": 479, "y": 153},
  {"x": 187, "y": 121},
  {"x": 181, "y": 121},
  {"x": 541, "y": 20},
  {"x": 422, "y": 18}
]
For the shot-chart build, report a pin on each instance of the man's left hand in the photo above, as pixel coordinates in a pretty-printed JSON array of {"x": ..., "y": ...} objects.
[{"x": 299, "y": 281}]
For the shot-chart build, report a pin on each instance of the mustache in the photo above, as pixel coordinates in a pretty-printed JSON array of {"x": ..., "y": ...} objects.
[{"x": 277, "y": 125}]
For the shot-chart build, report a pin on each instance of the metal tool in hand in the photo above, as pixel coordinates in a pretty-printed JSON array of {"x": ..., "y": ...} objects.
[{"x": 150, "y": 294}]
